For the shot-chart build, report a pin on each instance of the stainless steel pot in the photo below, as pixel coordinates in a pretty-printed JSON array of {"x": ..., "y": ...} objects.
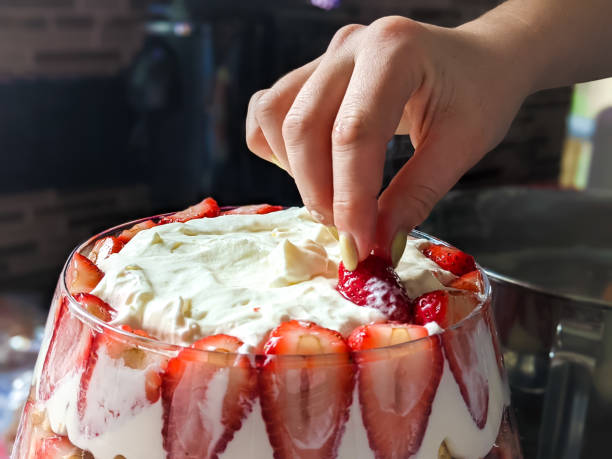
[{"x": 549, "y": 257}]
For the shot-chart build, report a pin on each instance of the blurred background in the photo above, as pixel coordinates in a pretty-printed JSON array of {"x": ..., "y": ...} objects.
[{"x": 111, "y": 110}]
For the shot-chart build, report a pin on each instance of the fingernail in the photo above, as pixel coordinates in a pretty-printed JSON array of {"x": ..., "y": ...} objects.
[
  {"x": 398, "y": 246},
  {"x": 318, "y": 216},
  {"x": 334, "y": 231},
  {"x": 348, "y": 251},
  {"x": 274, "y": 160}
]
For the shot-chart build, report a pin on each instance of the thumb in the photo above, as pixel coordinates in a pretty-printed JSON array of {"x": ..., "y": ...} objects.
[{"x": 415, "y": 190}]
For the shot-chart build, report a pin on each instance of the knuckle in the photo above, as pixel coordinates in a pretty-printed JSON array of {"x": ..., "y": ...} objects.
[
  {"x": 422, "y": 200},
  {"x": 349, "y": 130},
  {"x": 394, "y": 29},
  {"x": 297, "y": 125},
  {"x": 342, "y": 35},
  {"x": 267, "y": 105}
]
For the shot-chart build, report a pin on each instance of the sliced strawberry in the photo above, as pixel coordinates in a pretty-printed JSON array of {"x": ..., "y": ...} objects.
[
  {"x": 258, "y": 209},
  {"x": 114, "y": 358},
  {"x": 206, "y": 208},
  {"x": 443, "y": 307},
  {"x": 95, "y": 306},
  {"x": 397, "y": 385},
  {"x": 305, "y": 398},
  {"x": 128, "y": 234},
  {"x": 29, "y": 431},
  {"x": 68, "y": 350},
  {"x": 450, "y": 259},
  {"x": 464, "y": 353},
  {"x": 471, "y": 281},
  {"x": 56, "y": 447},
  {"x": 82, "y": 275},
  {"x": 104, "y": 248},
  {"x": 374, "y": 283},
  {"x": 506, "y": 445},
  {"x": 192, "y": 385}
]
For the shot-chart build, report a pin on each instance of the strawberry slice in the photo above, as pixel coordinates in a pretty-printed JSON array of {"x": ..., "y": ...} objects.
[
  {"x": 450, "y": 259},
  {"x": 375, "y": 284},
  {"x": 95, "y": 306},
  {"x": 471, "y": 281},
  {"x": 82, "y": 275},
  {"x": 258, "y": 209},
  {"x": 104, "y": 248},
  {"x": 127, "y": 234},
  {"x": 114, "y": 358},
  {"x": 192, "y": 386},
  {"x": 305, "y": 398},
  {"x": 464, "y": 353},
  {"x": 57, "y": 447},
  {"x": 68, "y": 350},
  {"x": 206, "y": 208},
  {"x": 397, "y": 385},
  {"x": 29, "y": 431},
  {"x": 444, "y": 308}
]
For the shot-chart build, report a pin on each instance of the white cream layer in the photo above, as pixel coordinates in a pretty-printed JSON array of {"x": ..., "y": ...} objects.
[{"x": 242, "y": 275}]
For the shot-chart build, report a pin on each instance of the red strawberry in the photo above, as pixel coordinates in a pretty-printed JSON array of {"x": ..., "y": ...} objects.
[
  {"x": 128, "y": 234},
  {"x": 68, "y": 350},
  {"x": 56, "y": 447},
  {"x": 444, "y": 308},
  {"x": 471, "y": 281},
  {"x": 29, "y": 431},
  {"x": 191, "y": 387},
  {"x": 104, "y": 248},
  {"x": 114, "y": 358},
  {"x": 259, "y": 209},
  {"x": 305, "y": 398},
  {"x": 397, "y": 385},
  {"x": 207, "y": 208},
  {"x": 464, "y": 353},
  {"x": 95, "y": 306},
  {"x": 375, "y": 284},
  {"x": 451, "y": 259},
  {"x": 82, "y": 275}
]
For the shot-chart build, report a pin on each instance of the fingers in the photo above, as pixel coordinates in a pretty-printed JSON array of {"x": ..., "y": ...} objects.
[
  {"x": 267, "y": 110},
  {"x": 308, "y": 124},
  {"x": 367, "y": 119}
]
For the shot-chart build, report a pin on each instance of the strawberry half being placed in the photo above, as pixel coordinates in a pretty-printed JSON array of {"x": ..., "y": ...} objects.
[
  {"x": 305, "y": 396},
  {"x": 82, "y": 275},
  {"x": 397, "y": 385},
  {"x": 471, "y": 281},
  {"x": 128, "y": 234},
  {"x": 104, "y": 248},
  {"x": 68, "y": 350},
  {"x": 450, "y": 259},
  {"x": 193, "y": 383},
  {"x": 206, "y": 208},
  {"x": 114, "y": 358},
  {"x": 375, "y": 283},
  {"x": 255, "y": 209}
]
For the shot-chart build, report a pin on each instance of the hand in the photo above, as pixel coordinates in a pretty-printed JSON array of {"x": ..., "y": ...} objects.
[{"x": 328, "y": 123}]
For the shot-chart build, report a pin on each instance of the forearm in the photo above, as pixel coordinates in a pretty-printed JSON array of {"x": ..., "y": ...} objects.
[{"x": 551, "y": 43}]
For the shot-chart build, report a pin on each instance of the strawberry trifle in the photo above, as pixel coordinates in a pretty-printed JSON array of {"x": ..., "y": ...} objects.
[{"x": 236, "y": 333}]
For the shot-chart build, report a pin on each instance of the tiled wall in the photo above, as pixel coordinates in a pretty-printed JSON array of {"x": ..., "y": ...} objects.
[{"x": 68, "y": 37}]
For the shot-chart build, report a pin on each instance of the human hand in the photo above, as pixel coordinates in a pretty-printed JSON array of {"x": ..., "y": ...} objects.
[{"x": 328, "y": 123}]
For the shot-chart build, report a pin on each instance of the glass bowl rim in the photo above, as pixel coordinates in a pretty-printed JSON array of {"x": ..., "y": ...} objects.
[{"x": 97, "y": 324}]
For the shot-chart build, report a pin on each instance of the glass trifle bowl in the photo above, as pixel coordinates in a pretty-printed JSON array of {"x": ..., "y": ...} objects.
[{"x": 104, "y": 388}]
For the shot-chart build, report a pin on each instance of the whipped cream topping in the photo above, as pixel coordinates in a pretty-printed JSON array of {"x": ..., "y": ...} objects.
[{"x": 242, "y": 275}]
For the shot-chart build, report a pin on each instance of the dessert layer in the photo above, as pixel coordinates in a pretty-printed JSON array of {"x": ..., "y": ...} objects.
[{"x": 242, "y": 275}]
